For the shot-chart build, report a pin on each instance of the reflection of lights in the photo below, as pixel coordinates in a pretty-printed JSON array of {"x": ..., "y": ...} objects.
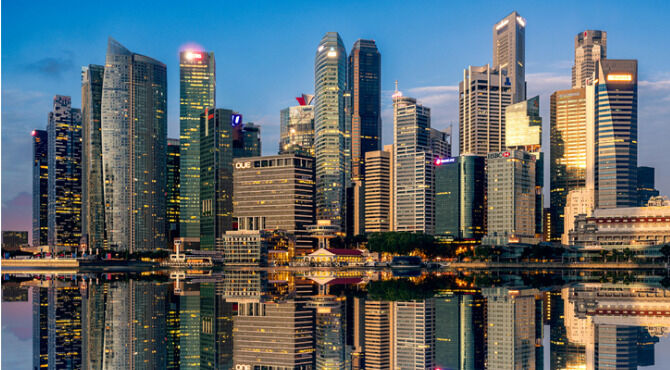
[
  {"x": 502, "y": 24},
  {"x": 332, "y": 53},
  {"x": 321, "y": 47},
  {"x": 521, "y": 21}
]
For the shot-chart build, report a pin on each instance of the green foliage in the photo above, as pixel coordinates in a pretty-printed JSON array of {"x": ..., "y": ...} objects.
[{"x": 401, "y": 243}]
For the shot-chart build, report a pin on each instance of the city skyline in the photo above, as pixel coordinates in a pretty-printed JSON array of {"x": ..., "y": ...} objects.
[{"x": 433, "y": 86}]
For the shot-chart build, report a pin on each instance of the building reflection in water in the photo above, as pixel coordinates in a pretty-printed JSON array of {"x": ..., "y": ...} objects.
[{"x": 342, "y": 320}]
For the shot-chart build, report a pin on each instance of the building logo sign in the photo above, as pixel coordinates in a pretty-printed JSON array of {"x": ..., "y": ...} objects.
[
  {"x": 242, "y": 165},
  {"x": 441, "y": 161},
  {"x": 505, "y": 154},
  {"x": 235, "y": 119}
]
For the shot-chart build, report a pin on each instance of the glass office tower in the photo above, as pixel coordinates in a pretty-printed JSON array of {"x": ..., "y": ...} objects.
[
  {"x": 64, "y": 220},
  {"x": 329, "y": 128},
  {"x": 297, "y": 127},
  {"x": 134, "y": 140},
  {"x": 40, "y": 187},
  {"x": 197, "y": 91},
  {"x": 93, "y": 201},
  {"x": 172, "y": 223},
  {"x": 216, "y": 175},
  {"x": 509, "y": 52}
]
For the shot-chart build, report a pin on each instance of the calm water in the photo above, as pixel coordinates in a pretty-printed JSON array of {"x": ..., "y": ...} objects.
[{"x": 344, "y": 319}]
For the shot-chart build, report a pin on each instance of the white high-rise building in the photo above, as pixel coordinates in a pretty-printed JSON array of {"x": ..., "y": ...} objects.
[{"x": 414, "y": 334}]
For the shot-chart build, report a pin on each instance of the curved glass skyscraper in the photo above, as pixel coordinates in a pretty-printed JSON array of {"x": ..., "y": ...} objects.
[
  {"x": 329, "y": 127},
  {"x": 134, "y": 140}
]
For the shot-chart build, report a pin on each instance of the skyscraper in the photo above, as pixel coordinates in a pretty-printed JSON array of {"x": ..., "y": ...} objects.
[
  {"x": 365, "y": 86},
  {"x": 279, "y": 188},
  {"x": 645, "y": 185},
  {"x": 378, "y": 326},
  {"x": 216, "y": 175},
  {"x": 297, "y": 127},
  {"x": 511, "y": 197},
  {"x": 246, "y": 138},
  {"x": 197, "y": 91},
  {"x": 330, "y": 128},
  {"x": 64, "y": 221},
  {"x": 40, "y": 187},
  {"x": 484, "y": 94},
  {"x": 93, "y": 200},
  {"x": 616, "y": 133},
  {"x": 509, "y": 52},
  {"x": 413, "y": 166},
  {"x": 378, "y": 190},
  {"x": 567, "y": 152},
  {"x": 460, "y": 189},
  {"x": 134, "y": 140},
  {"x": 414, "y": 334},
  {"x": 524, "y": 132},
  {"x": 590, "y": 48},
  {"x": 172, "y": 224}
]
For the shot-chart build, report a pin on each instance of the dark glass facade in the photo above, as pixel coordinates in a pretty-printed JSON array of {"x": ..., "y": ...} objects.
[
  {"x": 64, "y": 221},
  {"x": 645, "y": 185},
  {"x": 40, "y": 187},
  {"x": 93, "y": 201},
  {"x": 216, "y": 176},
  {"x": 172, "y": 186},
  {"x": 447, "y": 209},
  {"x": 365, "y": 86}
]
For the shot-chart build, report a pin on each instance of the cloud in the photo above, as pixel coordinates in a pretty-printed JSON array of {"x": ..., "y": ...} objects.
[{"x": 52, "y": 66}]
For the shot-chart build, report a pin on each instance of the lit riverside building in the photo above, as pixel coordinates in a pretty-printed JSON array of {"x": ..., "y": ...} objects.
[
  {"x": 484, "y": 94},
  {"x": 134, "y": 140},
  {"x": 197, "y": 91},
  {"x": 93, "y": 201},
  {"x": 64, "y": 220},
  {"x": 279, "y": 188},
  {"x": 509, "y": 52},
  {"x": 40, "y": 187},
  {"x": 510, "y": 198},
  {"x": 524, "y": 132},
  {"x": 329, "y": 128},
  {"x": 567, "y": 152},
  {"x": 297, "y": 127},
  {"x": 216, "y": 175}
]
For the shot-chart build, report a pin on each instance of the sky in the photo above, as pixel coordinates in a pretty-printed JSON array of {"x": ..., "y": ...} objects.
[{"x": 265, "y": 58}]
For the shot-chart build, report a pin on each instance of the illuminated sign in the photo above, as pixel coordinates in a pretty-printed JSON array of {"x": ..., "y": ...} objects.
[
  {"x": 34, "y": 133},
  {"x": 505, "y": 154},
  {"x": 620, "y": 77},
  {"x": 193, "y": 55},
  {"x": 243, "y": 165},
  {"x": 332, "y": 53},
  {"x": 502, "y": 24},
  {"x": 235, "y": 119},
  {"x": 441, "y": 161}
]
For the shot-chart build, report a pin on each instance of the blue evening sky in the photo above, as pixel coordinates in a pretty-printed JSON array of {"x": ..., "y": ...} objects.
[{"x": 265, "y": 54}]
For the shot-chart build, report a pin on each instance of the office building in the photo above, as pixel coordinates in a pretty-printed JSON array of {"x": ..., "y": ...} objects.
[
  {"x": 245, "y": 248},
  {"x": 279, "y": 188},
  {"x": 509, "y": 52},
  {"x": 645, "y": 185},
  {"x": 511, "y": 198},
  {"x": 330, "y": 128},
  {"x": 590, "y": 48},
  {"x": 93, "y": 200},
  {"x": 378, "y": 351},
  {"x": 447, "y": 194},
  {"x": 14, "y": 240},
  {"x": 273, "y": 335},
  {"x": 378, "y": 190},
  {"x": 216, "y": 175},
  {"x": 623, "y": 227},
  {"x": 511, "y": 328},
  {"x": 365, "y": 86},
  {"x": 246, "y": 140},
  {"x": 413, "y": 166},
  {"x": 134, "y": 149},
  {"x": 197, "y": 91},
  {"x": 616, "y": 133},
  {"x": 297, "y": 127},
  {"x": 524, "y": 132},
  {"x": 484, "y": 94},
  {"x": 64, "y": 220},
  {"x": 414, "y": 334},
  {"x": 568, "y": 152},
  {"x": 40, "y": 187},
  {"x": 580, "y": 201},
  {"x": 172, "y": 186}
]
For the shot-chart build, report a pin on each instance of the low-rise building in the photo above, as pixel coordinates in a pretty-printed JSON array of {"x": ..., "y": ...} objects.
[
  {"x": 332, "y": 256},
  {"x": 245, "y": 248}
]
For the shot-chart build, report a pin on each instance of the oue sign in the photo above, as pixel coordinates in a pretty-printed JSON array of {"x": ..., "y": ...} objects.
[{"x": 243, "y": 165}]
